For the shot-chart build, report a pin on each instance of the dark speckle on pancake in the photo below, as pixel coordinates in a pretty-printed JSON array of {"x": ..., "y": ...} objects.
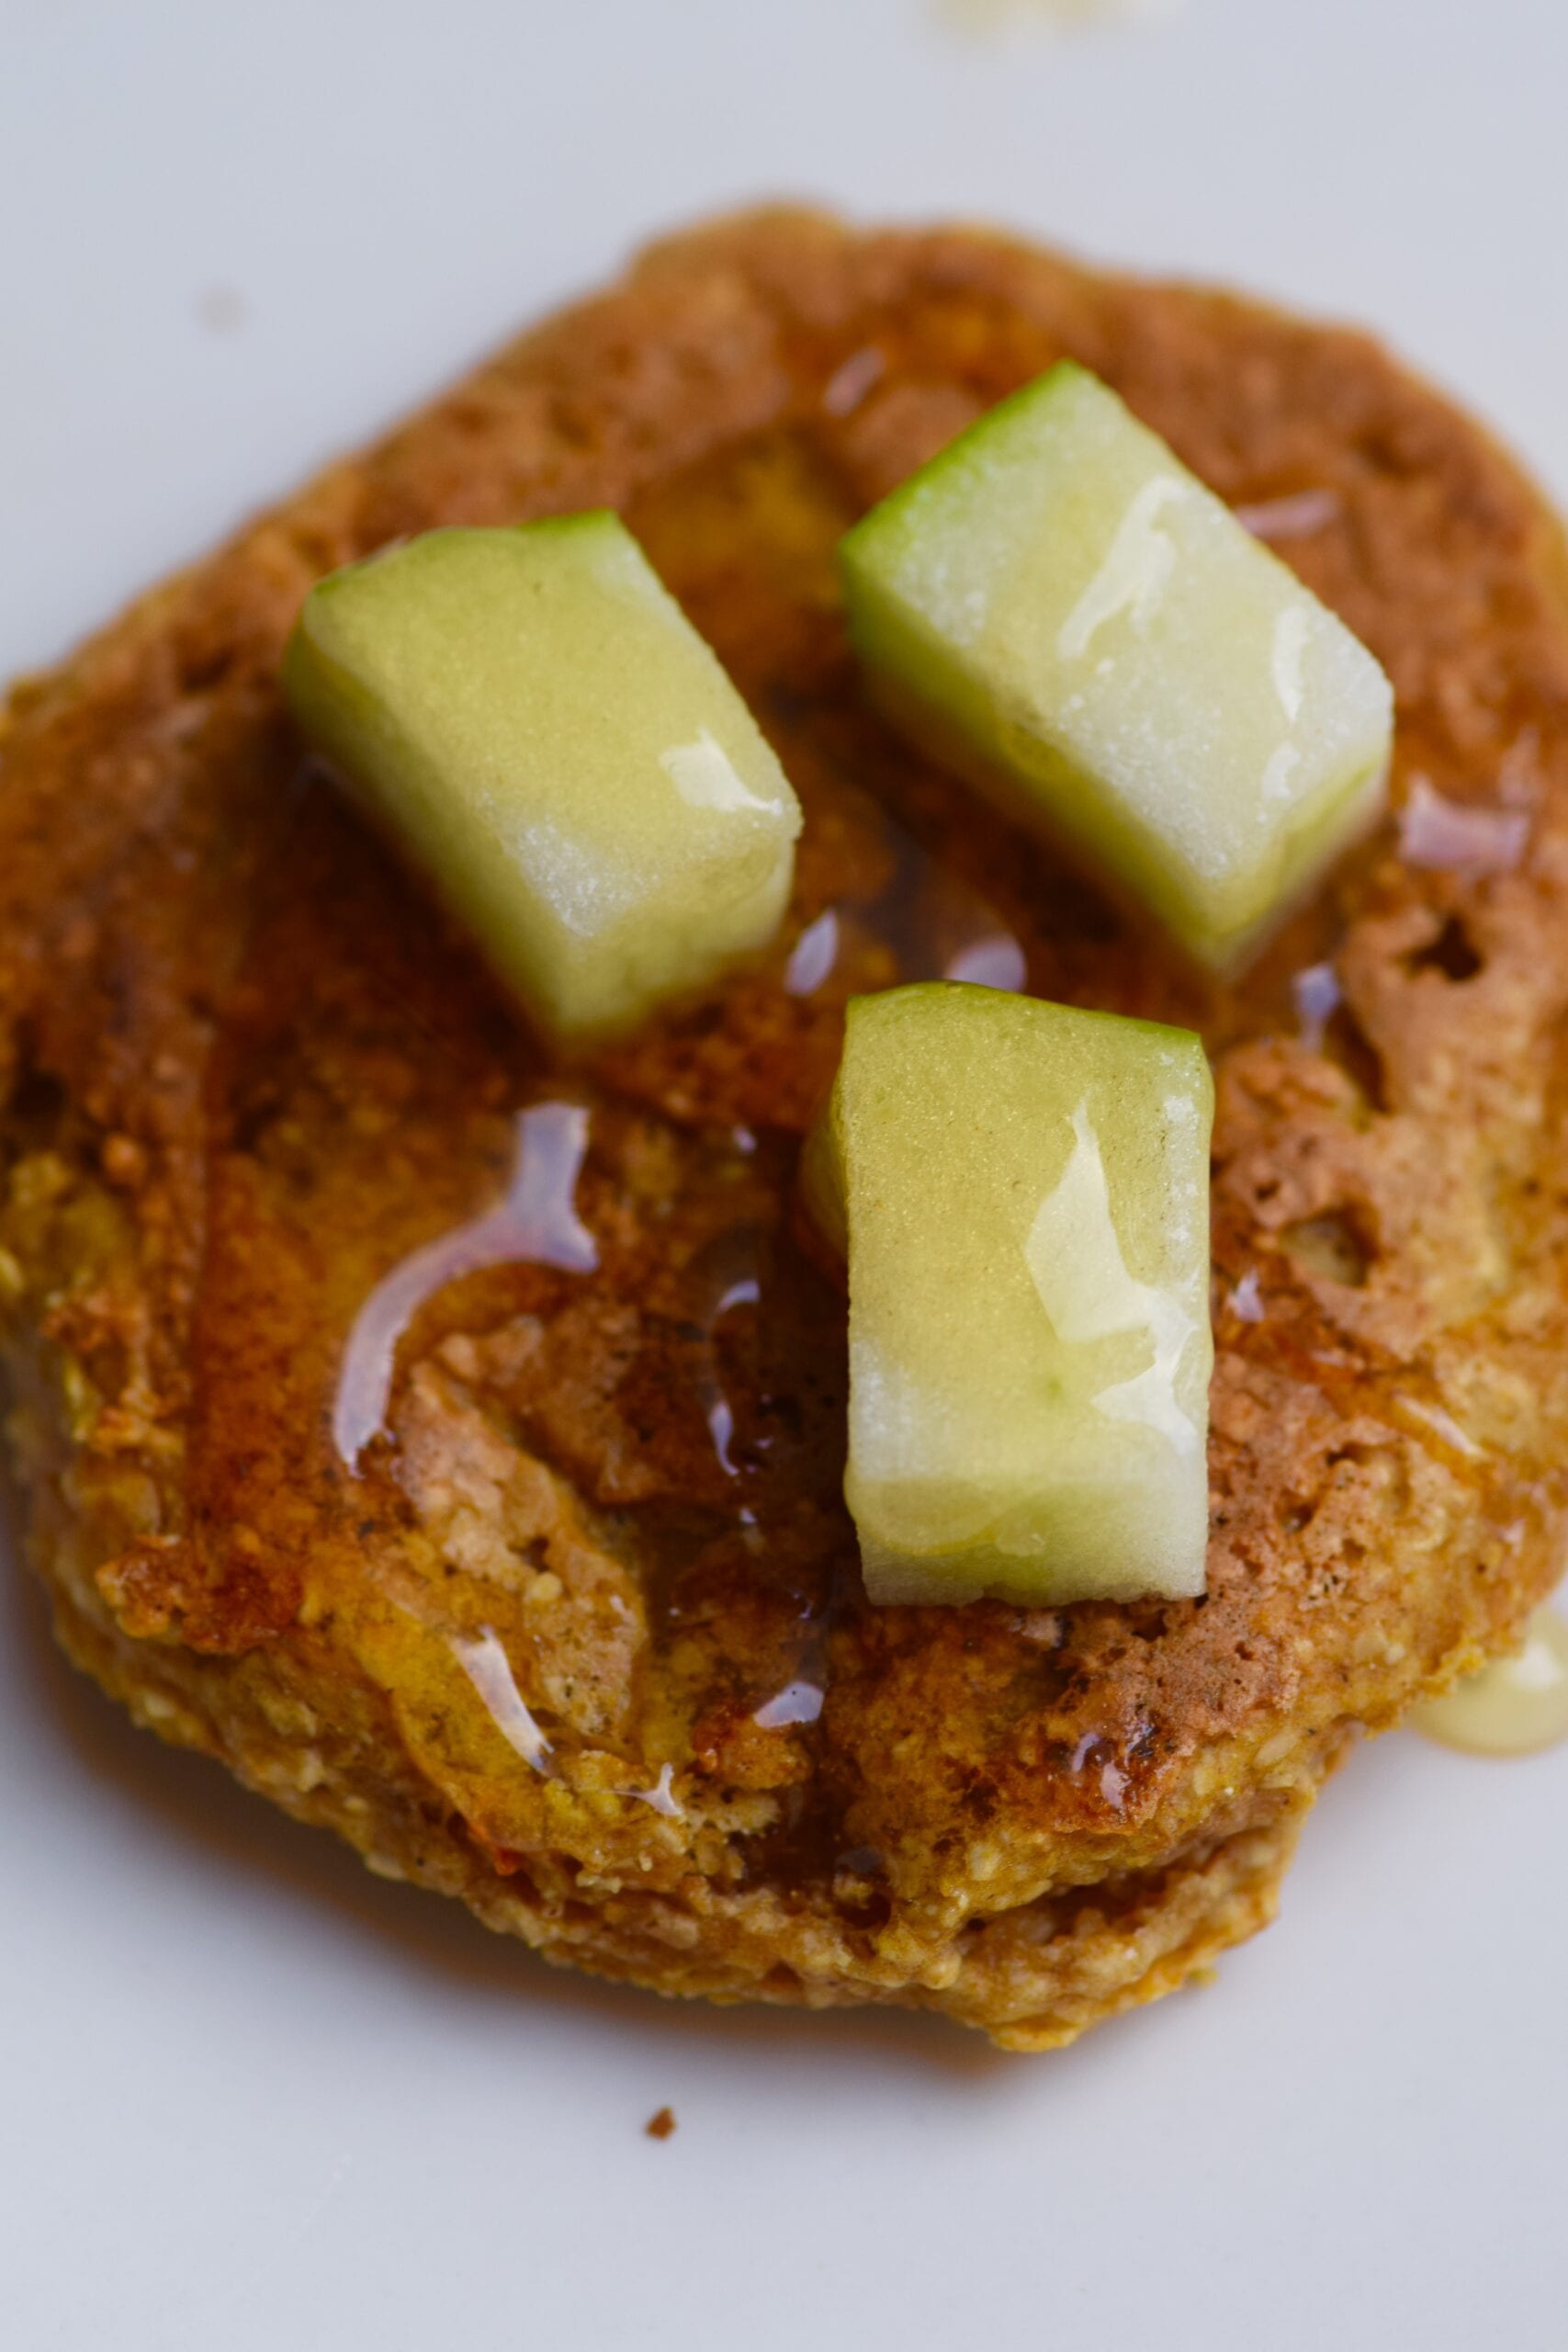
[{"x": 529, "y": 1649}]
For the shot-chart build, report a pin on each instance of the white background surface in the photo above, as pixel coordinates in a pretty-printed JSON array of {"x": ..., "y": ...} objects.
[{"x": 249, "y": 2097}]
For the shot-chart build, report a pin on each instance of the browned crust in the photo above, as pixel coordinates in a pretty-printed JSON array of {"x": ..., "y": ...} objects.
[{"x": 219, "y": 1136}]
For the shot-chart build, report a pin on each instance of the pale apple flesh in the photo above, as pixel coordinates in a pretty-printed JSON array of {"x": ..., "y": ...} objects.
[
  {"x": 1022, "y": 1190},
  {"x": 529, "y": 714},
  {"x": 1057, "y": 607}
]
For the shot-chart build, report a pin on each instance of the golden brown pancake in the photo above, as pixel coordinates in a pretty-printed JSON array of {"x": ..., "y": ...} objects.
[{"x": 523, "y": 1562}]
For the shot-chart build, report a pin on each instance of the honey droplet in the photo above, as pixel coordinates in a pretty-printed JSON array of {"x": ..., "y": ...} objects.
[{"x": 1515, "y": 1706}]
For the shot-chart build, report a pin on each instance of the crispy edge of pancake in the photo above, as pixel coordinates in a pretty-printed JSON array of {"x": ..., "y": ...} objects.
[
  {"x": 1212, "y": 1882},
  {"x": 327, "y": 1750},
  {"x": 1033, "y": 1978}
]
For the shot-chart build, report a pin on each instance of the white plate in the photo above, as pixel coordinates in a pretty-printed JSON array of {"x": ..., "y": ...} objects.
[{"x": 252, "y": 2098}]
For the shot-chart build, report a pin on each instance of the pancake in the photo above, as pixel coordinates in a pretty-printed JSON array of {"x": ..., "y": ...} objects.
[{"x": 451, "y": 1442}]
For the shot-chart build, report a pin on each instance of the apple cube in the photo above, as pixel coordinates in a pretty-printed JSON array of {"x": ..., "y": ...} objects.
[
  {"x": 1063, "y": 611},
  {"x": 530, "y": 716},
  {"x": 1024, "y": 1192}
]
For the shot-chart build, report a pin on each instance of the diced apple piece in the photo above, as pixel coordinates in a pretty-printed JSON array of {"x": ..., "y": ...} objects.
[
  {"x": 1059, "y": 609},
  {"x": 1023, "y": 1191},
  {"x": 530, "y": 716}
]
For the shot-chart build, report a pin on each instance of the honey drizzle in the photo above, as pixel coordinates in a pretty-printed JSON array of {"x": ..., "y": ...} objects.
[
  {"x": 932, "y": 924},
  {"x": 483, "y": 1660},
  {"x": 536, "y": 1221}
]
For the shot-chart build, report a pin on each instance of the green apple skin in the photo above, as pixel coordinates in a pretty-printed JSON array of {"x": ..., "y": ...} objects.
[
  {"x": 531, "y": 718},
  {"x": 1024, "y": 1192},
  {"x": 1056, "y": 607}
]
